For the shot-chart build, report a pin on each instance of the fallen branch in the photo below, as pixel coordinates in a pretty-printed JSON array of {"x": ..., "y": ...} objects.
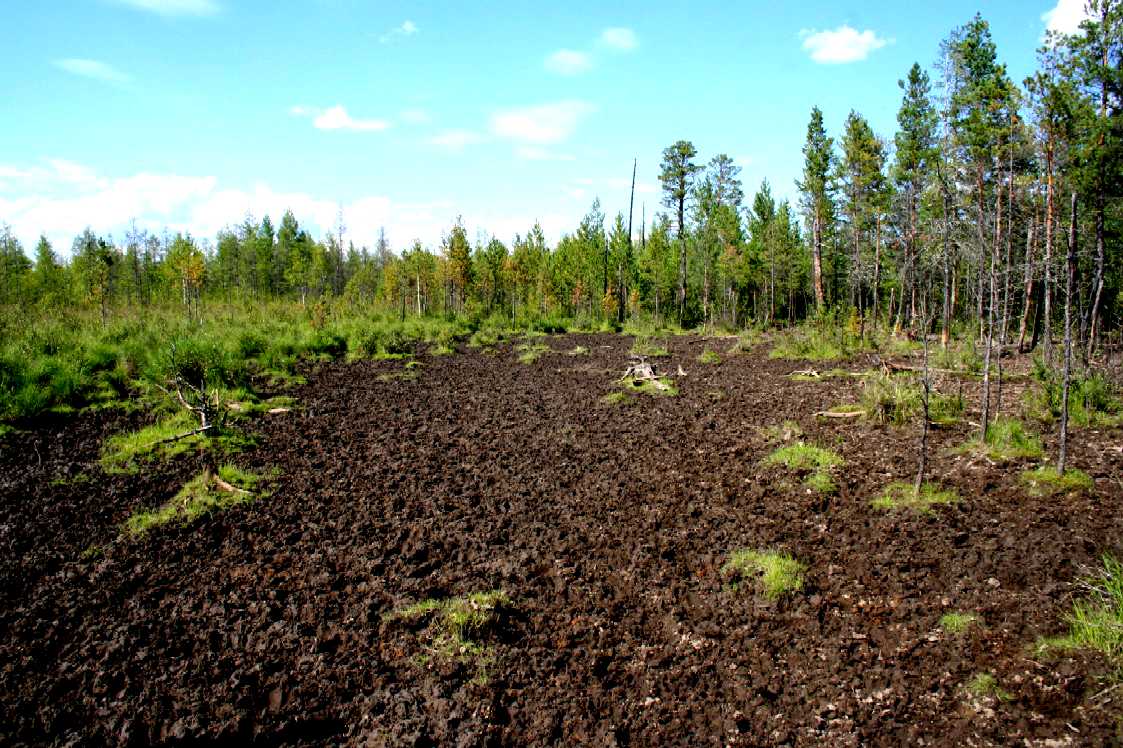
[
  {"x": 835, "y": 414},
  {"x": 228, "y": 487},
  {"x": 184, "y": 435}
]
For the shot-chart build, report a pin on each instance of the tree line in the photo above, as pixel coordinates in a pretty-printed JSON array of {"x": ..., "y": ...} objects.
[{"x": 986, "y": 204}]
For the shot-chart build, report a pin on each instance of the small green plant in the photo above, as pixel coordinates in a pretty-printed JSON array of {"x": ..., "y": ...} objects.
[
  {"x": 1092, "y": 401},
  {"x": 92, "y": 553},
  {"x": 709, "y": 357},
  {"x": 199, "y": 496},
  {"x": 441, "y": 349},
  {"x": 578, "y": 350},
  {"x": 1046, "y": 481},
  {"x": 1006, "y": 440},
  {"x": 778, "y": 574},
  {"x": 458, "y": 625},
  {"x": 531, "y": 352},
  {"x": 122, "y": 453},
  {"x": 746, "y": 341},
  {"x": 985, "y": 685},
  {"x": 650, "y": 347},
  {"x": 956, "y": 623},
  {"x": 1096, "y": 620},
  {"x": 902, "y": 495},
  {"x": 806, "y": 458},
  {"x": 616, "y": 398}
]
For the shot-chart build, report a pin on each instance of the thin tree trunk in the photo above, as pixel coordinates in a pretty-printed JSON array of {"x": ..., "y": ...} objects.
[
  {"x": 1048, "y": 259},
  {"x": 990, "y": 311},
  {"x": 1070, "y": 281},
  {"x": 1027, "y": 303},
  {"x": 876, "y": 272}
]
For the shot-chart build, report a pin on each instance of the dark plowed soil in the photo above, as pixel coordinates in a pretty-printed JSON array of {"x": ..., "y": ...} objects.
[{"x": 606, "y": 525}]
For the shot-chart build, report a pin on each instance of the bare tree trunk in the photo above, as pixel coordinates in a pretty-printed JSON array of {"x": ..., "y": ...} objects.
[
  {"x": 990, "y": 310},
  {"x": 927, "y": 384},
  {"x": 1070, "y": 281},
  {"x": 1027, "y": 303},
  {"x": 1048, "y": 259},
  {"x": 876, "y": 272},
  {"x": 945, "y": 334},
  {"x": 817, "y": 259},
  {"x": 1098, "y": 278}
]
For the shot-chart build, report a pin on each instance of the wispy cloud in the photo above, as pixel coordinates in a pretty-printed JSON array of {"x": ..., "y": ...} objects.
[
  {"x": 94, "y": 70},
  {"x": 415, "y": 117},
  {"x": 456, "y": 140},
  {"x": 569, "y": 62},
  {"x": 174, "y": 7},
  {"x": 841, "y": 45},
  {"x": 337, "y": 118},
  {"x": 619, "y": 38},
  {"x": 575, "y": 61},
  {"x": 1065, "y": 18},
  {"x": 543, "y": 124},
  {"x": 407, "y": 28}
]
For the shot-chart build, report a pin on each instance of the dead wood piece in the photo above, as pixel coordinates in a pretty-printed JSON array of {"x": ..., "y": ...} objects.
[
  {"x": 228, "y": 487},
  {"x": 805, "y": 373},
  {"x": 184, "y": 435},
  {"x": 275, "y": 411},
  {"x": 846, "y": 414}
]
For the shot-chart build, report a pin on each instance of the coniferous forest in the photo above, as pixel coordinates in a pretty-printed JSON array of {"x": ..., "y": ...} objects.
[{"x": 837, "y": 470}]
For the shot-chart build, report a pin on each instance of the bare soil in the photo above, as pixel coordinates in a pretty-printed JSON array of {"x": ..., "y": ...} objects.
[{"x": 606, "y": 525}]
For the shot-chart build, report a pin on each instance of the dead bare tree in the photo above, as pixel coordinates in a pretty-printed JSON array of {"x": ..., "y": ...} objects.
[{"x": 926, "y": 384}]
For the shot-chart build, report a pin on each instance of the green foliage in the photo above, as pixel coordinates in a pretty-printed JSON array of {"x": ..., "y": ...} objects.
[
  {"x": 1046, "y": 481},
  {"x": 1096, "y": 620},
  {"x": 824, "y": 339},
  {"x": 782, "y": 432},
  {"x": 957, "y": 623},
  {"x": 531, "y": 352},
  {"x": 778, "y": 574},
  {"x": 457, "y": 626},
  {"x": 985, "y": 685},
  {"x": 650, "y": 347},
  {"x": 198, "y": 497},
  {"x": 814, "y": 461},
  {"x": 898, "y": 399},
  {"x": 709, "y": 357},
  {"x": 1092, "y": 400},
  {"x": 902, "y": 495},
  {"x": 1006, "y": 440},
  {"x": 661, "y": 387}
]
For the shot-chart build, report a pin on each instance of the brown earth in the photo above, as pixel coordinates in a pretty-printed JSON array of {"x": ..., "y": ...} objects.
[{"x": 606, "y": 525}]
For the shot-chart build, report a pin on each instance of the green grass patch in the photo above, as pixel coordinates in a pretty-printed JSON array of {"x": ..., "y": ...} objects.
[
  {"x": 903, "y": 495},
  {"x": 531, "y": 352},
  {"x": 709, "y": 357},
  {"x": 1092, "y": 401},
  {"x": 660, "y": 387},
  {"x": 899, "y": 400},
  {"x": 1096, "y": 620},
  {"x": 198, "y": 497},
  {"x": 985, "y": 685},
  {"x": 746, "y": 341},
  {"x": 578, "y": 350},
  {"x": 803, "y": 376},
  {"x": 777, "y": 574},
  {"x": 455, "y": 628},
  {"x": 816, "y": 462},
  {"x": 617, "y": 398},
  {"x": 1046, "y": 481},
  {"x": 957, "y": 623},
  {"x": 1007, "y": 439},
  {"x": 650, "y": 347}
]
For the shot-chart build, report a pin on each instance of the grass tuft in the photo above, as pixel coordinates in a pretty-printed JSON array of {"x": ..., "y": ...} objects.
[
  {"x": 578, "y": 350},
  {"x": 778, "y": 574},
  {"x": 806, "y": 458},
  {"x": 531, "y": 352},
  {"x": 1046, "y": 481},
  {"x": 198, "y": 497},
  {"x": 902, "y": 495},
  {"x": 957, "y": 623},
  {"x": 1006, "y": 440},
  {"x": 985, "y": 685},
  {"x": 650, "y": 347},
  {"x": 709, "y": 357},
  {"x": 1096, "y": 620},
  {"x": 457, "y": 625}
]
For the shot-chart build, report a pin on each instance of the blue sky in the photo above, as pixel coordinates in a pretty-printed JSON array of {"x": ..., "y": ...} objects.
[{"x": 190, "y": 113}]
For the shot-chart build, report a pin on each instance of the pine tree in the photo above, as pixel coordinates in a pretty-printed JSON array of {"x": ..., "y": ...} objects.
[
  {"x": 816, "y": 194},
  {"x": 677, "y": 176}
]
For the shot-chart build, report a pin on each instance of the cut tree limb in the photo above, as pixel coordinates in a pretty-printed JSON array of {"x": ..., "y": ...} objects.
[{"x": 834, "y": 414}]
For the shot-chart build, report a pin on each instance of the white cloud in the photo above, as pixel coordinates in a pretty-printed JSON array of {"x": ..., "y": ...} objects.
[
  {"x": 619, "y": 38},
  {"x": 569, "y": 62},
  {"x": 1065, "y": 18},
  {"x": 844, "y": 44},
  {"x": 547, "y": 123},
  {"x": 174, "y": 7},
  {"x": 337, "y": 118},
  {"x": 60, "y": 199},
  {"x": 94, "y": 70},
  {"x": 456, "y": 140},
  {"x": 535, "y": 153},
  {"x": 407, "y": 28},
  {"x": 415, "y": 116}
]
